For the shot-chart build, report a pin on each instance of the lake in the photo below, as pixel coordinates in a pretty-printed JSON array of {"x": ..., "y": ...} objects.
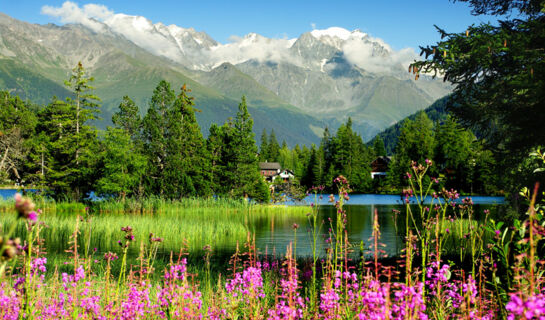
[{"x": 275, "y": 234}]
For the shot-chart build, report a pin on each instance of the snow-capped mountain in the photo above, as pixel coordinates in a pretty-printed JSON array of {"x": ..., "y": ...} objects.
[{"x": 323, "y": 76}]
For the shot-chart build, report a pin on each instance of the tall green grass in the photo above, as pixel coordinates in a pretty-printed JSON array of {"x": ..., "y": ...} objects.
[{"x": 193, "y": 223}]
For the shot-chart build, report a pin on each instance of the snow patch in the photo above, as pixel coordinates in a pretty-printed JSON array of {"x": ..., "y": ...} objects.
[{"x": 336, "y": 32}]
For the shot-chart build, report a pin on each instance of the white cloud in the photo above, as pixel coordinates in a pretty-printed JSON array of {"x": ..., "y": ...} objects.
[
  {"x": 89, "y": 16},
  {"x": 374, "y": 55},
  {"x": 252, "y": 46}
]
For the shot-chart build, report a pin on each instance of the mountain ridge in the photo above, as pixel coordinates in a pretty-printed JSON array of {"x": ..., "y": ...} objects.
[{"x": 324, "y": 91}]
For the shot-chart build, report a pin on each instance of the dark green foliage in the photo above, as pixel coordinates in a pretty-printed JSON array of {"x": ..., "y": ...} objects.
[
  {"x": 72, "y": 149},
  {"x": 499, "y": 76},
  {"x": 128, "y": 118},
  {"x": 454, "y": 155},
  {"x": 123, "y": 166},
  {"x": 498, "y": 72},
  {"x": 178, "y": 162},
  {"x": 155, "y": 136},
  {"x": 189, "y": 167},
  {"x": 351, "y": 158},
  {"x": 416, "y": 143},
  {"x": 17, "y": 125},
  {"x": 264, "y": 148},
  {"x": 378, "y": 146},
  {"x": 273, "y": 152},
  {"x": 342, "y": 154},
  {"x": 234, "y": 159}
]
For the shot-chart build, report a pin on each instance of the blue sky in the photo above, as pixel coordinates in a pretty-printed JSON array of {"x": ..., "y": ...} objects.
[{"x": 399, "y": 23}]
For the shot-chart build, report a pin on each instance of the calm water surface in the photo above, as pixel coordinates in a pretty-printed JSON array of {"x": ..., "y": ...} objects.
[{"x": 275, "y": 234}]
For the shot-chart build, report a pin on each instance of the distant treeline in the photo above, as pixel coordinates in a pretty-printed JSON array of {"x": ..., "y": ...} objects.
[
  {"x": 164, "y": 153},
  {"x": 460, "y": 161}
]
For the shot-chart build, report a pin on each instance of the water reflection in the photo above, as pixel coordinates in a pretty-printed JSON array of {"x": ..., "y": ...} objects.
[{"x": 275, "y": 234}]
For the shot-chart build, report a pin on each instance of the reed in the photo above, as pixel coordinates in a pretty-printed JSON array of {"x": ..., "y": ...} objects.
[{"x": 220, "y": 223}]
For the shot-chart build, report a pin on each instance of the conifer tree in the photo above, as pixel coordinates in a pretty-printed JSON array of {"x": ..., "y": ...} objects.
[
  {"x": 187, "y": 161},
  {"x": 155, "y": 135},
  {"x": 264, "y": 148},
  {"x": 215, "y": 146},
  {"x": 128, "y": 118},
  {"x": 273, "y": 153},
  {"x": 123, "y": 166},
  {"x": 72, "y": 147},
  {"x": 416, "y": 143},
  {"x": 378, "y": 146},
  {"x": 239, "y": 161}
]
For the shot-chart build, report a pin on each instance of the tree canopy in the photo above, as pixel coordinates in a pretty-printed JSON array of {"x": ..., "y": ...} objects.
[{"x": 498, "y": 72}]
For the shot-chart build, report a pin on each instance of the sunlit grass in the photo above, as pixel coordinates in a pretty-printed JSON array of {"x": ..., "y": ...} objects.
[{"x": 193, "y": 222}]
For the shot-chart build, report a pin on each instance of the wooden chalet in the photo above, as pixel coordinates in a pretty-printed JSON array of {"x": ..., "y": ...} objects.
[
  {"x": 379, "y": 167},
  {"x": 286, "y": 175},
  {"x": 269, "y": 170}
]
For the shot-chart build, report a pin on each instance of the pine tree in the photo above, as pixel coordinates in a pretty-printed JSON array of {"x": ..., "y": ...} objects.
[
  {"x": 123, "y": 165},
  {"x": 264, "y": 149},
  {"x": 274, "y": 148},
  {"x": 238, "y": 161},
  {"x": 351, "y": 158},
  {"x": 453, "y": 154},
  {"x": 416, "y": 143},
  {"x": 378, "y": 146},
  {"x": 155, "y": 135},
  {"x": 187, "y": 163},
  {"x": 72, "y": 148},
  {"x": 215, "y": 146},
  {"x": 128, "y": 118}
]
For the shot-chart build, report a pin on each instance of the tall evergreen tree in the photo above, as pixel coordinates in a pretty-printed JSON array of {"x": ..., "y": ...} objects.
[
  {"x": 215, "y": 146},
  {"x": 416, "y": 143},
  {"x": 128, "y": 118},
  {"x": 273, "y": 153},
  {"x": 155, "y": 135},
  {"x": 188, "y": 164},
  {"x": 453, "y": 154},
  {"x": 351, "y": 158},
  {"x": 239, "y": 160},
  {"x": 264, "y": 148},
  {"x": 378, "y": 146},
  {"x": 123, "y": 166},
  {"x": 308, "y": 178},
  {"x": 72, "y": 148}
]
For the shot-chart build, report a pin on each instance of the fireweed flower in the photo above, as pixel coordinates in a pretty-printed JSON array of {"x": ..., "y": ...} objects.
[
  {"x": 526, "y": 307},
  {"x": 290, "y": 304},
  {"x": 25, "y": 208},
  {"x": 246, "y": 289},
  {"x": 177, "y": 297},
  {"x": 10, "y": 304}
]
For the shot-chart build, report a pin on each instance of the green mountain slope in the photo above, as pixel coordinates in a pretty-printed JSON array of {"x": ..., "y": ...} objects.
[
  {"x": 19, "y": 80},
  {"x": 35, "y": 60},
  {"x": 436, "y": 112}
]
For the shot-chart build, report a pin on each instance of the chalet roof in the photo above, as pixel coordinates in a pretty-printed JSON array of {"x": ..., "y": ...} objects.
[
  {"x": 269, "y": 166},
  {"x": 382, "y": 159}
]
